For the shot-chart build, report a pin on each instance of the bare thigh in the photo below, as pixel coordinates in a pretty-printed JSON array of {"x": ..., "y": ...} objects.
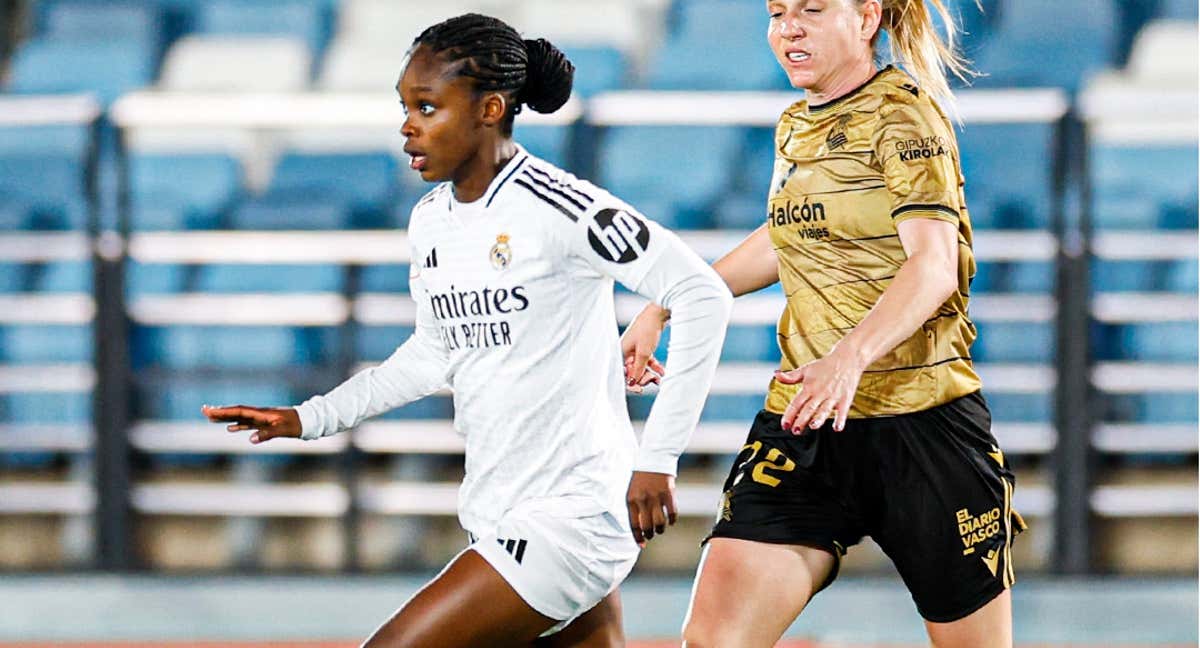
[
  {"x": 599, "y": 627},
  {"x": 988, "y": 627},
  {"x": 748, "y": 593},
  {"x": 468, "y": 604}
]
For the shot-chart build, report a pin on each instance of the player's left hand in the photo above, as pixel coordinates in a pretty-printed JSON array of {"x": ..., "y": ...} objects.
[
  {"x": 651, "y": 500},
  {"x": 827, "y": 389},
  {"x": 638, "y": 343}
]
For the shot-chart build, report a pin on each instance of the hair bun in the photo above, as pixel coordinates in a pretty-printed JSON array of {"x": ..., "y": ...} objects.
[{"x": 549, "y": 77}]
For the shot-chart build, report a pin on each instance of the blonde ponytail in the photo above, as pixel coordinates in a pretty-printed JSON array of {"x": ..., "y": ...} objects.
[{"x": 916, "y": 45}]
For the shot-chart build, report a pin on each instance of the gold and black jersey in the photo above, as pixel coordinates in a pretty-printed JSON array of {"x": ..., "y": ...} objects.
[{"x": 846, "y": 174}]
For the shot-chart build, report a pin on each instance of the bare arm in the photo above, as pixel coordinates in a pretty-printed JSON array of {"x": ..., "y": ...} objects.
[{"x": 750, "y": 266}]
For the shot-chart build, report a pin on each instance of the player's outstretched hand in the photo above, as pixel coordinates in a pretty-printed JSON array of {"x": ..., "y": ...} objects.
[
  {"x": 265, "y": 423},
  {"x": 651, "y": 500},
  {"x": 637, "y": 348},
  {"x": 827, "y": 390}
]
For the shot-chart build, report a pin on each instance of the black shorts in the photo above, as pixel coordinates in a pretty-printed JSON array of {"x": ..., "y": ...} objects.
[{"x": 931, "y": 488}]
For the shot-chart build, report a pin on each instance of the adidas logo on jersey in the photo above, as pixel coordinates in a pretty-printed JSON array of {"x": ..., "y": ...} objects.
[
  {"x": 515, "y": 548},
  {"x": 431, "y": 259}
]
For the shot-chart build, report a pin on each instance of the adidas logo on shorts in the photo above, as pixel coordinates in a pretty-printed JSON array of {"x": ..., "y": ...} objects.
[{"x": 515, "y": 548}]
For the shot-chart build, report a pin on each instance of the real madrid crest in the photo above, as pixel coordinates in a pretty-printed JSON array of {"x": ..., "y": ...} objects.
[{"x": 501, "y": 254}]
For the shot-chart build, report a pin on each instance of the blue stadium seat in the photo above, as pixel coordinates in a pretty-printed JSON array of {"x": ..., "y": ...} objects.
[
  {"x": 1180, "y": 214},
  {"x": 146, "y": 279},
  {"x": 597, "y": 69},
  {"x": 1013, "y": 342},
  {"x": 66, "y": 140},
  {"x": 46, "y": 408},
  {"x": 64, "y": 276},
  {"x": 1150, "y": 408},
  {"x": 1182, "y": 276},
  {"x": 1031, "y": 277},
  {"x": 1120, "y": 276},
  {"x": 290, "y": 213},
  {"x": 547, "y": 142},
  {"x": 667, "y": 212},
  {"x": 365, "y": 181},
  {"x": 641, "y": 163},
  {"x": 975, "y": 25},
  {"x": 27, "y": 460},
  {"x": 719, "y": 407},
  {"x": 751, "y": 344},
  {"x": 714, "y": 20},
  {"x": 385, "y": 278},
  {"x": 377, "y": 343},
  {"x": 159, "y": 212},
  {"x": 1158, "y": 342},
  {"x": 430, "y": 407},
  {"x": 401, "y": 211},
  {"x": 987, "y": 277},
  {"x": 14, "y": 215},
  {"x": 1020, "y": 408},
  {"x": 108, "y": 68},
  {"x": 759, "y": 154},
  {"x": 1124, "y": 212},
  {"x": 1018, "y": 153},
  {"x": 1159, "y": 173},
  {"x": 244, "y": 278},
  {"x": 306, "y": 19},
  {"x": 688, "y": 60},
  {"x": 48, "y": 189},
  {"x": 741, "y": 211},
  {"x": 45, "y": 343},
  {"x": 233, "y": 347},
  {"x": 13, "y": 277},
  {"x": 207, "y": 183},
  {"x": 981, "y": 208},
  {"x": 181, "y": 399},
  {"x": 83, "y": 20},
  {"x": 697, "y": 65},
  {"x": 1177, "y": 9},
  {"x": 1079, "y": 36}
]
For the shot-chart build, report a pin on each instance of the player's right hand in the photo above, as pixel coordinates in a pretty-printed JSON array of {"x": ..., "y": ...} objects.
[
  {"x": 637, "y": 348},
  {"x": 265, "y": 423}
]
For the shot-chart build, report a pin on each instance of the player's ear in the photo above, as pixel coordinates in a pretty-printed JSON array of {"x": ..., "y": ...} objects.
[{"x": 494, "y": 107}]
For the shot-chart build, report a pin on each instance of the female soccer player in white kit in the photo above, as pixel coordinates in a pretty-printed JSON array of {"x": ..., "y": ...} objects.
[{"x": 513, "y": 262}]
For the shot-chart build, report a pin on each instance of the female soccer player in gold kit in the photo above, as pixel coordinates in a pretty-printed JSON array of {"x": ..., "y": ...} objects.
[{"x": 875, "y": 423}]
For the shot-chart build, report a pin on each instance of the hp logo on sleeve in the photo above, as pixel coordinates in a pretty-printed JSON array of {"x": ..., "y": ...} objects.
[{"x": 618, "y": 236}]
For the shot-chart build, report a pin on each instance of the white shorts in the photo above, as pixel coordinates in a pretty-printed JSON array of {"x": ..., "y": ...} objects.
[{"x": 562, "y": 567}]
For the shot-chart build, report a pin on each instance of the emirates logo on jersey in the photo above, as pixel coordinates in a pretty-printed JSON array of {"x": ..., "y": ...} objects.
[{"x": 500, "y": 254}]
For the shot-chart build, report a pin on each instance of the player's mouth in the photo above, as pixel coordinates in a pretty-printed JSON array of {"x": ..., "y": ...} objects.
[
  {"x": 417, "y": 159},
  {"x": 797, "y": 57}
]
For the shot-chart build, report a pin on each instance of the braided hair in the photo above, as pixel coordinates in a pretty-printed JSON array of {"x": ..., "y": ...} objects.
[{"x": 495, "y": 56}]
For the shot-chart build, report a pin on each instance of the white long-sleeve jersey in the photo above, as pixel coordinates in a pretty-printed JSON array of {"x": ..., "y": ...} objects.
[{"x": 514, "y": 296}]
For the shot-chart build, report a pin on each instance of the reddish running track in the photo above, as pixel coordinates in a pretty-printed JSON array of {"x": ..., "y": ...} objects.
[{"x": 632, "y": 644}]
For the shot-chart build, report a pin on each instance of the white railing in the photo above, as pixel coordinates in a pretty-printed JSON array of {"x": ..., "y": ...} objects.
[{"x": 74, "y": 497}]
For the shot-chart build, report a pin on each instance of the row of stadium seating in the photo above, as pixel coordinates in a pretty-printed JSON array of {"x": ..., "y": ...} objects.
[
  {"x": 111, "y": 48},
  {"x": 1137, "y": 186},
  {"x": 270, "y": 183}
]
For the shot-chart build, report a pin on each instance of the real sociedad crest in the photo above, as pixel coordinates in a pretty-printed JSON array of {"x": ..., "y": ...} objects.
[{"x": 501, "y": 254}]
